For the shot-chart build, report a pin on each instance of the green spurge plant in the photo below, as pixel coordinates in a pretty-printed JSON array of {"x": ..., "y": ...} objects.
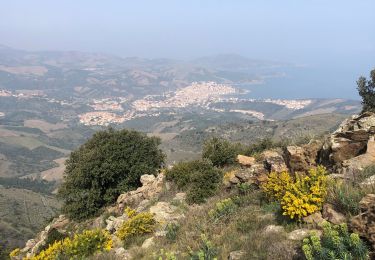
[
  {"x": 335, "y": 243},
  {"x": 207, "y": 251},
  {"x": 223, "y": 209}
]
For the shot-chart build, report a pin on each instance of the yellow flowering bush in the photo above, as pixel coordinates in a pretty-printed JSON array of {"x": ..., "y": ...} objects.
[
  {"x": 81, "y": 245},
  {"x": 138, "y": 224},
  {"x": 299, "y": 196},
  {"x": 15, "y": 252}
]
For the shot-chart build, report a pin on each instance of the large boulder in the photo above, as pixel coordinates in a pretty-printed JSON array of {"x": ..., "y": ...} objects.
[
  {"x": 245, "y": 160},
  {"x": 303, "y": 158},
  {"x": 274, "y": 161},
  {"x": 364, "y": 222},
  {"x": 331, "y": 215}
]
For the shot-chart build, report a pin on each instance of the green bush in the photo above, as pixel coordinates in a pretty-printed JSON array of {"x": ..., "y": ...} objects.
[
  {"x": 200, "y": 179},
  {"x": 335, "y": 243},
  {"x": 219, "y": 151},
  {"x": 108, "y": 164}
]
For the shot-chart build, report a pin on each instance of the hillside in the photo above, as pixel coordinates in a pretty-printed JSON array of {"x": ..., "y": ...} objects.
[{"x": 275, "y": 203}]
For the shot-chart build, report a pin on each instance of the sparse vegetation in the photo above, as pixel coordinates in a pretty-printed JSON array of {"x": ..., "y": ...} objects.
[{"x": 109, "y": 163}]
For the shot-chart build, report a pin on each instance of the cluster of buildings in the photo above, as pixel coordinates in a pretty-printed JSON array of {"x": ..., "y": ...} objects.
[
  {"x": 196, "y": 94},
  {"x": 291, "y": 104},
  {"x": 106, "y": 104}
]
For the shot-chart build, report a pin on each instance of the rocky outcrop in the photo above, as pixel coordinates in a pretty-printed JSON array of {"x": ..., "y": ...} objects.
[
  {"x": 364, "y": 222},
  {"x": 350, "y": 139},
  {"x": 151, "y": 188},
  {"x": 33, "y": 246},
  {"x": 302, "y": 158},
  {"x": 245, "y": 160},
  {"x": 331, "y": 215},
  {"x": 274, "y": 161}
]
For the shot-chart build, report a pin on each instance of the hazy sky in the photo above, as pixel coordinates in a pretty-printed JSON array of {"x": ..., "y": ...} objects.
[{"x": 314, "y": 32}]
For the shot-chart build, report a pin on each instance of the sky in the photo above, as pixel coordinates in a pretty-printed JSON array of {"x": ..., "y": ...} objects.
[{"x": 318, "y": 33}]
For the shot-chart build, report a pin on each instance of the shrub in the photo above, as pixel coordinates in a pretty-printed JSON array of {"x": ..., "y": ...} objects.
[
  {"x": 15, "y": 252},
  {"x": 172, "y": 231},
  {"x": 335, "y": 243},
  {"x": 207, "y": 250},
  {"x": 53, "y": 235},
  {"x": 299, "y": 196},
  {"x": 245, "y": 188},
  {"x": 138, "y": 224},
  {"x": 200, "y": 179},
  {"x": 219, "y": 151},
  {"x": 223, "y": 209},
  {"x": 79, "y": 247},
  {"x": 110, "y": 163},
  {"x": 165, "y": 255}
]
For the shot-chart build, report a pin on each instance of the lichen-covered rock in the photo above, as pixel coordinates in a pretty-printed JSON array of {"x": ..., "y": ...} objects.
[
  {"x": 364, "y": 222},
  {"x": 245, "y": 160},
  {"x": 331, "y": 215},
  {"x": 274, "y": 161},
  {"x": 303, "y": 158},
  {"x": 300, "y": 234},
  {"x": 151, "y": 189},
  {"x": 236, "y": 255},
  {"x": 350, "y": 139},
  {"x": 165, "y": 212},
  {"x": 315, "y": 218}
]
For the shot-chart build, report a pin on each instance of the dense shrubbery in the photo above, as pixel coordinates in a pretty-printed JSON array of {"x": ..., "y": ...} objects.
[
  {"x": 366, "y": 89},
  {"x": 200, "y": 179},
  {"x": 79, "y": 247},
  {"x": 138, "y": 224},
  {"x": 219, "y": 151},
  {"x": 108, "y": 164},
  {"x": 335, "y": 243},
  {"x": 299, "y": 196}
]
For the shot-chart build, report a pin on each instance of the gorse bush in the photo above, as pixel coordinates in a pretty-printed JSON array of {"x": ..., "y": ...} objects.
[
  {"x": 219, "y": 151},
  {"x": 200, "y": 179},
  {"x": 108, "y": 164},
  {"x": 79, "y": 247},
  {"x": 223, "y": 209},
  {"x": 335, "y": 243},
  {"x": 138, "y": 224},
  {"x": 299, "y": 196}
]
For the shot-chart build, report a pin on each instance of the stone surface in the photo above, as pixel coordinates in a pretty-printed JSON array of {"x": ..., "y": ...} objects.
[
  {"x": 122, "y": 253},
  {"x": 164, "y": 212},
  {"x": 244, "y": 175},
  {"x": 236, "y": 255},
  {"x": 273, "y": 229},
  {"x": 274, "y": 162},
  {"x": 364, "y": 222},
  {"x": 245, "y": 160},
  {"x": 149, "y": 242},
  {"x": 349, "y": 140},
  {"x": 332, "y": 215},
  {"x": 315, "y": 219},
  {"x": 181, "y": 197},
  {"x": 151, "y": 189},
  {"x": 303, "y": 158},
  {"x": 300, "y": 234},
  {"x": 114, "y": 223}
]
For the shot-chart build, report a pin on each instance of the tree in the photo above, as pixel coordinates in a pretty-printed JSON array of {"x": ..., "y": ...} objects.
[
  {"x": 108, "y": 164},
  {"x": 366, "y": 89},
  {"x": 219, "y": 151}
]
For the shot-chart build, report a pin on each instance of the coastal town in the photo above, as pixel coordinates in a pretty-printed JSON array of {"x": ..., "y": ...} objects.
[{"x": 117, "y": 110}]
